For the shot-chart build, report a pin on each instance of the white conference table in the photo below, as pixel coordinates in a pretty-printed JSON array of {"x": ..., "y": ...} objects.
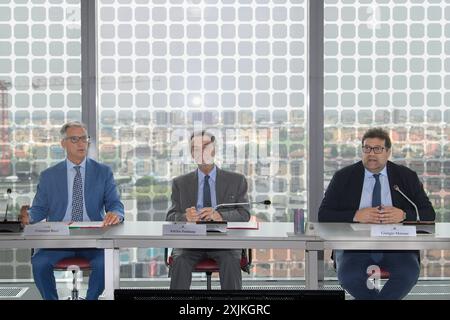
[
  {"x": 78, "y": 238},
  {"x": 270, "y": 235},
  {"x": 344, "y": 237}
]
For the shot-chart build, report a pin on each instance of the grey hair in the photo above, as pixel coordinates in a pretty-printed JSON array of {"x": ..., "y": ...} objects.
[
  {"x": 201, "y": 134},
  {"x": 71, "y": 124}
]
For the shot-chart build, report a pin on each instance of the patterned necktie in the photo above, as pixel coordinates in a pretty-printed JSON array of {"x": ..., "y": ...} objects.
[
  {"x": 376, "y": 195},
  {"x": 206, "y": 193},
  {"x": 77, "y": 196}
]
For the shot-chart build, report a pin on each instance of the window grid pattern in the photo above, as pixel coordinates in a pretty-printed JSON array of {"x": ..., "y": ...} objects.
[
  {"x": 40, "y": 89},
  {"x": 236, "y": 68},
  {"x": 386, "y": 64}
]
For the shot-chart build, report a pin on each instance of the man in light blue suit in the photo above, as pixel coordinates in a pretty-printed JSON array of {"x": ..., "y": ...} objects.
[{"x": 76, "y": 189}]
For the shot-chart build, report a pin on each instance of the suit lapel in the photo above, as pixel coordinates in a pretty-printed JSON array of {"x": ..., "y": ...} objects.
[
  {"x": 192, "y": 188},
  {"x": 61, "y": 186},
  {"x": 393, "y": 180},
  {"x": 88, "y": 186},
  {"x": 359, "y": 183},
  {"x": 221, "y": 187}
]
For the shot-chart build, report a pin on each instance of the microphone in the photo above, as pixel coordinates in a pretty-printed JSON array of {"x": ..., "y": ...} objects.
[
  {"x": 224, "y": 205},
  {"x": 417, "y": 222},
  {"x": 9, "y": 226},
  {"x": 396, "y": 188},
  {"x": 8, "y": 192}
]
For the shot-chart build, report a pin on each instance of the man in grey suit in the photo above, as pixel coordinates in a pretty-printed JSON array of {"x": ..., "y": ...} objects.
[{"x": 194, "y": 197}]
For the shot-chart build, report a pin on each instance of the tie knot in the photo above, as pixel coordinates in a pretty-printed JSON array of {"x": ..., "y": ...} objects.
[
  {"x": 206, "y": 178},
  {"x": 376, "y": 176},
  {"x": 77, "y": 168}
]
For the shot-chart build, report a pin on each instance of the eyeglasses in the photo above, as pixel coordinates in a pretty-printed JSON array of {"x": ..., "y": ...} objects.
[
  {"x": 376, "y": 150},
  {"x": 75, "y": 139},
  {"x": 201, "y": 148}
]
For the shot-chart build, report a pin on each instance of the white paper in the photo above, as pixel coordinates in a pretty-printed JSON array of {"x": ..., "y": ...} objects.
[
  {"x": 392, "y": 230},
  {"x": 86, "y": 224},
  {"x": 243, "y": 225}
]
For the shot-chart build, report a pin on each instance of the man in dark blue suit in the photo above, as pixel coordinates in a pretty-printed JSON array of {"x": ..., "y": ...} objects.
[
  {"x": 76, "y": 189},
  {"x": 364, "y": 193}
]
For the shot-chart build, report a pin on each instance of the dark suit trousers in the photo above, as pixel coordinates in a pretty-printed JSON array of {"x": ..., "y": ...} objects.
[
  {"x": 403, "y": 266},
  {"x": 229, "y": 262}
]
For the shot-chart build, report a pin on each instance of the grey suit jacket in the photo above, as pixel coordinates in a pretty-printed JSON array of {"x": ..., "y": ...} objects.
[{"x": 230, "y": 188}]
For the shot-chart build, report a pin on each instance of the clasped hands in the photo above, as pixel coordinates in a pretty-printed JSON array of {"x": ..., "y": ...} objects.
[
  {"x": 383, "y": 215},
  {"x": 206, "y": 214},
  {"x": 110, "y": 218}
]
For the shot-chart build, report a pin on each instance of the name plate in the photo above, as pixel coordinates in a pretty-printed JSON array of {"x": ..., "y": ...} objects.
[
  {"x": 392, "y": 230},
  {"x": 184, "y": 229},
  {"x": 47, "y": 228}
]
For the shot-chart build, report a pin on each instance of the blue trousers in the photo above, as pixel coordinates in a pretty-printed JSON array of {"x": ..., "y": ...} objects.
[
  {"x": 44, "y": 260},
  {"x": 403, "y": 266}
]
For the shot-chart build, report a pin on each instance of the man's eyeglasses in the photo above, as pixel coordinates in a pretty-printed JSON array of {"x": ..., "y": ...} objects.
[
  {"x": 75, "y": 139},
  {"x": 376, "y": 150},
  {"x": 201, "y": 148}
]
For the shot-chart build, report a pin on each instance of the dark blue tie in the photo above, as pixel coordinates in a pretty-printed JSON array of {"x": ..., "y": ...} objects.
[
  {"x": 206, "y": 193},
  {"x": 376, "y": 195},
  {"x": 77, "y": 196}
]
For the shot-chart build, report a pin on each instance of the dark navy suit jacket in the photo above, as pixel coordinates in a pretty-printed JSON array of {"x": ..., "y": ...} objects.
[{"x": 343, "y": 194}]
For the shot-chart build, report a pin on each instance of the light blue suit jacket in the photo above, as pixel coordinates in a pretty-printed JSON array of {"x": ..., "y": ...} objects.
[{"x": 100, "y": 193}]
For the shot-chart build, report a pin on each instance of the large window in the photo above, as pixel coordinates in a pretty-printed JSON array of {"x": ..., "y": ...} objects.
[
  {"x": 385, "y": 65},
  {"x": 234, "y": 67},
  {"x": 40, "y": 89}
]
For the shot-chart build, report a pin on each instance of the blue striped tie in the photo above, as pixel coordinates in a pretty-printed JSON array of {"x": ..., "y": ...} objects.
[{"x": 77, "y": 196}]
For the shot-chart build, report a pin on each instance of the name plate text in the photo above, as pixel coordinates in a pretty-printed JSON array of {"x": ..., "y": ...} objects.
[
  {"x": 392, "y": 230},
  {"x": 47, "y": 228},
  {"x": 184, "y": 229}
]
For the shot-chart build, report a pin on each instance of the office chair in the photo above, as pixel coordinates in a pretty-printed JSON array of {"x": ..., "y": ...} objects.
[
  {"x": 209, "y": 265},
  {"x": 74, "y": 265},
  {"x": 384, "y": 274}
]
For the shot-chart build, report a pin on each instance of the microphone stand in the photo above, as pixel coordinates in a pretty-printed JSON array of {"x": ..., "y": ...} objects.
[
  {"x": 418, "y": 222},
  {"x": 9, "y": 226}
]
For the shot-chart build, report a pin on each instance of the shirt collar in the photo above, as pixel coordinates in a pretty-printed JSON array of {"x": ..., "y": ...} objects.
[
  {"x": 368, "y": 174},
  {"x": 71, "y": 165},
  {"x": 212, "y": 175}
]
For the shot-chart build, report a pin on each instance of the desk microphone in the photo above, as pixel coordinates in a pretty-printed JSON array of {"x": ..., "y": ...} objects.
[
  {"x": 417, "y": 222},
  {"x": 224, "y": 205},
  {"x": 8, "y": 192},
  {"x": 9, "y": 226}
]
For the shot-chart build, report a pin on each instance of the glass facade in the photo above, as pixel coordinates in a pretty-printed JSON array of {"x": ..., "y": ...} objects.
[
  {"x": 40, "y": 89},
  {"x": 386, "y": 64},
  {"x": 239, "y": 69},
  {"x": 167, "y": 68}
]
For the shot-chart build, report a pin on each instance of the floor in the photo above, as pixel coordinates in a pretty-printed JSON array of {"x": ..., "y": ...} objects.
[{"x": 26, "y": 290}]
